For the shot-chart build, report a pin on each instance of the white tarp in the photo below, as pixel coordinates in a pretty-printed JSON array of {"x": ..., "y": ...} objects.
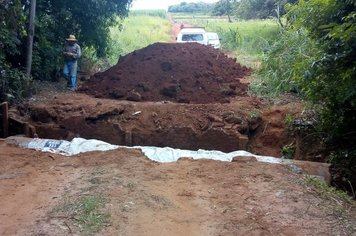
[
  {"x": 164, "y": 155},
  {"x": 63, "y": 147},
  {"x": 167, "y": 154}
]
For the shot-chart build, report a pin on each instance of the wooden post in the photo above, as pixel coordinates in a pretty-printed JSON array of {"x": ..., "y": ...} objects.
[
  {"x": 5, "y": 119},
  {"x": 31, "y": 34}
]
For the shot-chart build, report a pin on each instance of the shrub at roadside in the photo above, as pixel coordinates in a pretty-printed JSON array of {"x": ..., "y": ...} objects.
[
  {"x": 13, "y": 82},
  {"x": 319, "y": 51},
  {"x": 286, "y": 62}
]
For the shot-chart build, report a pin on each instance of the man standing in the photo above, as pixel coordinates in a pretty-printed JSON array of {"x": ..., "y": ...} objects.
[{"x": 71, "y": 54}]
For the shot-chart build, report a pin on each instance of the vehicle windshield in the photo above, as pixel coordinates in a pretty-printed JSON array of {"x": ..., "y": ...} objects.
[{"x": 192, "y": 37}]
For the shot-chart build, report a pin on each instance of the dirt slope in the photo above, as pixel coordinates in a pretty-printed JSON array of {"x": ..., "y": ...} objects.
[
  {"x": 146, "y": 198},
  {"x": 188, "y": 73}
]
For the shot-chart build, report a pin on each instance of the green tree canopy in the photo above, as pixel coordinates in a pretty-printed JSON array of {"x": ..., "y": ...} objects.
[
  {"x": 191, "y": 7},
  {"x": 89, "y": 20},
  {"x": 260, "y": 9},
  {"x": 223, "y": 7},
  {"x": 12, "y": 30}
]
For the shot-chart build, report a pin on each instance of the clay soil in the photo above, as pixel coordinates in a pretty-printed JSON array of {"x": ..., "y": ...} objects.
[
  {"x": 146, "y": 198},
  {"x": 185, "y": 73},
  {"x": 171, "y": 107}
]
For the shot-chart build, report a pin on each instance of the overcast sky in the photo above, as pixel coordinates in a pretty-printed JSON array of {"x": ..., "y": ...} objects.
[{"x": 161, "y": 4}]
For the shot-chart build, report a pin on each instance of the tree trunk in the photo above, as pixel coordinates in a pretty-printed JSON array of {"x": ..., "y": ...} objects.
[
  {"x": 31, "y": 34},
  {"x": 278, "y": 12}
]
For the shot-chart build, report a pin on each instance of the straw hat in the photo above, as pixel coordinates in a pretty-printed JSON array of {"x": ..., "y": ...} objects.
[{"x": 71, "y": 38}]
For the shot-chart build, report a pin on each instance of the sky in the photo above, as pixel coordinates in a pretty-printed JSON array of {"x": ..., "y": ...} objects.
[{"x": 161, "y": 4}]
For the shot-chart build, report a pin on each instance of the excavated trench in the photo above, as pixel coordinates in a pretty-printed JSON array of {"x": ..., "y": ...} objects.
[
  {"x": 183, "y": 126},
  {"x": 224, "y": 127},
  {"x": 185, "y": 96},
  {"x": 179, "y": 137}
]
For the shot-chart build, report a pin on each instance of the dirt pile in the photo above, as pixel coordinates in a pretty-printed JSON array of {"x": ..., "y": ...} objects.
[{"x": 186, "y": 73}]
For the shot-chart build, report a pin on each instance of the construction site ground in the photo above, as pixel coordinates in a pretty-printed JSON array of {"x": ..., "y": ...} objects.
[{"x": 44, "y": 193}]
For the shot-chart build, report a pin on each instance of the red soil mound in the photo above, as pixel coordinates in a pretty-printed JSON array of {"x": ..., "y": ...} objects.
[{"x": 188, "y": 73}]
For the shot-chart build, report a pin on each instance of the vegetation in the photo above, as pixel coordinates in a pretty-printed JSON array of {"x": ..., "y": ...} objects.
[
  {"x": 153, "y": 13},
  {"x": 191, "y": 7},
  {"x": 322, "y": 189},
  {"x": 138, "y": 31},
  {"x": 315, "y": 57},
  {"x": 13, "y": 81},
  {"x": 276, "y": 71},
  {"x": 251, "y": 9},
  {"x": 224, "y": 7},
  {"x": 89, "y": 20},
  {"x": 251, "y": 38},
  {"x": 310, "y": 53},
  {"x": 260, "y": 9},
  {"x": 87, "y": 212}
]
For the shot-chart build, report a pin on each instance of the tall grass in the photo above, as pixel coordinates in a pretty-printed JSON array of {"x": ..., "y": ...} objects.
[
  {"x": 138, "y": 31},
  {"x": 251, "y": 37},
  {"x": 155, "y": 13},
  {"x": 286, "y": 64},
  {"x": 188, "y": 17}
]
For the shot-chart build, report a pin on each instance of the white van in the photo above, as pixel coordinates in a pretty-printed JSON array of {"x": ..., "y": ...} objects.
[
  {"x": 198, "y": 35},
  {"x": 213, "y": 39},
  {"x": 190, "y": 35}
]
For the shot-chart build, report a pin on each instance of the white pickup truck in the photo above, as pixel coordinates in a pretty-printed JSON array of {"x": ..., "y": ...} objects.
[{"x": 198, "y": 35}]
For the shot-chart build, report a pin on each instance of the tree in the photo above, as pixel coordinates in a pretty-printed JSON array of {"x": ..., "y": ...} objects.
[
  {"x": 224, "y": 7},
  {"x": 89, "y": 20},
  {"x": 12, "y": 30},
  {"x": 30, "y": 35},
  {"x": 199, "y": 7},
  {"x": 260, "y": 9}
]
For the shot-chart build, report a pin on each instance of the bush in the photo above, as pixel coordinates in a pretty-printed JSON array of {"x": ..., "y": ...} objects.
[
  {"x": 14, "y": 84},
  {"x": 286, "y": 63},
  {"x": 316, "y": 56},
  {"x": 343, "y": 169}
]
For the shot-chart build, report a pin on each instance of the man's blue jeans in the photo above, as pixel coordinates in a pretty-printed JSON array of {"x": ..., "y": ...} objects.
[{"x": 70, "y": 72}]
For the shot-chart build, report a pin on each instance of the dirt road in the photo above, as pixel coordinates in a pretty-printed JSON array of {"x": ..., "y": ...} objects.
[
  {"x": 145, "y": 198},
  {"x": 122, "y": 192}
]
